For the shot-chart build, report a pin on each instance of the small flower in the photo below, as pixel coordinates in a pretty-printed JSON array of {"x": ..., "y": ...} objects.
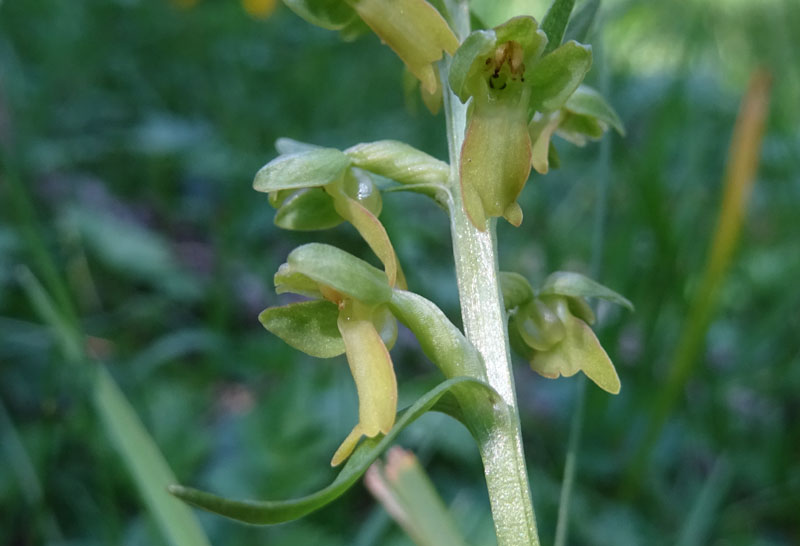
[
  {"x": 510, "y": 83},
  {"x": 550, "y": 327},
  {"x": 558, "y": 343},
  {"x": 348, "y": 313},
  {"x": 317, "y": 188}
]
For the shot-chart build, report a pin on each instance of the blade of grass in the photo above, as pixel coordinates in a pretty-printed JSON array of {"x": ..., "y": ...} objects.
[
  {"x": 697, "y": 526},
  {"x": 35, "y": 245},
  {"x": 555, "y": 22},
  {"x": 146, "y": 464},
  {"x": 743, "y": 158},
  {"x": 576, "y": 423},
  {"x": 141, "y": 456},
  {"x": 403, "y": 488},
  {"x": 21, "y": 465}
]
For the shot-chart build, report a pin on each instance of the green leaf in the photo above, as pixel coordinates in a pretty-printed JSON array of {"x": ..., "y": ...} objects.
[
  {"x": 399, "y": 161},
  {"x": 308, "y": 210},
  {"x": 140, "y": 455},
  {"x": 441, "y": 398},
  {"x": 589, "y": 102},
  {"x": 557, "y": 75},
  {"x": 567, "y": 283},
  {"x": 341, "y": 271},
  {"x": 144, "y": 461},
  {"x": 581, "y": 23},
  {"x": 308, "y": 169},
  {"x": 309, "y": 326},
  {"x": 555, "y": 22},
  {"x": 441, "y": 341},
  {"x": 516, "y": 289},
  {"x": 329, "y": 14}
]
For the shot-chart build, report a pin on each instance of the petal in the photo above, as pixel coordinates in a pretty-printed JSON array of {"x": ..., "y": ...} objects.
[
  {"x": 579, "y": 350},
  {"x": 495, "y": 161},
  {"x": 373, "y": 233},
  {"x": 307, "y": 210},
  {"x": 306, "y": 169},
  {"x": 371, "y": 367},
  {"x": 346, "y": 448},
  {"x": 541, "y": 131},
  {"x": 414, "y": 30}
]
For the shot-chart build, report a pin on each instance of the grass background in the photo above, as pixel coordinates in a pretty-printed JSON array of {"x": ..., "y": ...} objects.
[{"x": 135, "y": 127}]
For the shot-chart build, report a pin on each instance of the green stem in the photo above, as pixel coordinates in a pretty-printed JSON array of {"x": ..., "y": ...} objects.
[{"x": 484, "y": 318}]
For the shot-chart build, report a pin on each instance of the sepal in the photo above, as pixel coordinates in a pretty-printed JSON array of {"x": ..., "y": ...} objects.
[
  {"x": 339, "y": 270},
  {"x": 568, "y": 283},
  {"x": 305, "y": 169},
  {"x": 308, "y": 209},
  {"x": 398, "y": 161},
  {"x": 309, "y": 326},
  {"x": 557, "y": 75}
]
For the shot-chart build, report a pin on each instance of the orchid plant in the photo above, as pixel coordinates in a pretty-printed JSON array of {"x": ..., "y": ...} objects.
[{"x": 505, "y": 91}]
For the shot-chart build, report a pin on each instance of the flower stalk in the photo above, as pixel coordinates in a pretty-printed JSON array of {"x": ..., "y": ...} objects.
[{"x": 484, "y": 319}]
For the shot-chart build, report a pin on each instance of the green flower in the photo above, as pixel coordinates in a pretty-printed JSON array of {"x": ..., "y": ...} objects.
[
  {"x": 348, "y": 313},
  {"x": 318, "y": 188},
  {"x": 520, "y": 96},
  {"x": 414, "y": 29},
  {"x": 550, "y": 328}
]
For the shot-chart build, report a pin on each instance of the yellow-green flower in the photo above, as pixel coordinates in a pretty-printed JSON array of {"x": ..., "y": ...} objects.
[{"x": 348, "y": 314}]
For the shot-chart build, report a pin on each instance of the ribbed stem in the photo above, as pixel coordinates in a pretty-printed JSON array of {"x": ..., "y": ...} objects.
[{"x": 484, "y": 319}]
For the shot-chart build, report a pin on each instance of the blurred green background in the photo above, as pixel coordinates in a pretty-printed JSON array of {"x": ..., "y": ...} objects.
[{"x": 135, "y": 128}]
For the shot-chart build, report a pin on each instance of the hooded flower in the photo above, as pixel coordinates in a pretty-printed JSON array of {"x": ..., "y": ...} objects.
[
  {"x": 348, "y": 313},
  {"x": 509, "y": 83},
  {"x": 551, "y": 330},
  {"x": 318, "y": 188}
]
